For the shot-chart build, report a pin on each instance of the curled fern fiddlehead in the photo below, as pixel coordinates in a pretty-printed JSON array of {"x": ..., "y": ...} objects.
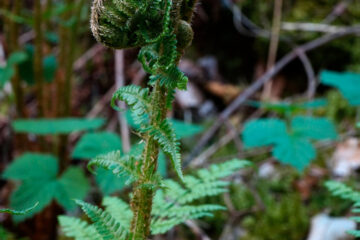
[{"x": 162, "y": 29}]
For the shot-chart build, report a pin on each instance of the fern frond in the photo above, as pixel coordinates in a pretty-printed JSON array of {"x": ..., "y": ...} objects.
[
  {"x": 127, "y": 165},
  {"x": 107, "y": 226},
  {"x": 164, "y": 134},
  {"x": 78, "y": 229},
  {"x": 207, "y": 182},
  {"x": 137, "y": 99},
  {"x": 119, "y": 209},
  {"x": 170, "y": 204},
  {"x": 341, "y": 190}
]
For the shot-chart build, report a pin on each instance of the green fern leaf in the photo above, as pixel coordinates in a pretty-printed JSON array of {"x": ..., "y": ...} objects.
[
  {"x": 119, "y": 210},
  {"x": 107, "y": 226},
  {"x": 94, "y": 144},
  {"x": 341, "y": 190},
  {"x": 165, "y": 136},
  {"x": 121, "y": 166},
  {"x": 138, "y": 100},
  {"x": 80, "y": 230}
]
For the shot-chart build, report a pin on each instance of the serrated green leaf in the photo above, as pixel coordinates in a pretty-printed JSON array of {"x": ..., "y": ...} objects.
[
  {"x": 313, "y": 128},
  {"x": 50, "y": 65},
  {"x": 6, "y": 74},
  {"x": 32, "y": 166},
  {"x": 17, "y": 57},
  {"x": 73, "y": 184},
  {"x": 94, "y": 144},
  {"x": 287, "y": 107},
  {"x": 263, "y": 132},
  {"x": 347, "y": 83},
  {"x": 295, "y": 151},
  {"x": 28, "y": 192},
  {"x": 56, "y": 126},
  {"x": 109, "y": 182},
  {"x": 19, "y": 212},
  {"x": 184, "y": 130}
]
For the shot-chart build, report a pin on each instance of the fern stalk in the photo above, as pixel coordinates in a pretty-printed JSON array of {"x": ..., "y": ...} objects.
[{"x": 141, "y": 203}]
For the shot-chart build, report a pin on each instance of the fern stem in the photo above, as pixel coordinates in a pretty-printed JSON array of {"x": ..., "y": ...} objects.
[{"x": 141, "y": 202}]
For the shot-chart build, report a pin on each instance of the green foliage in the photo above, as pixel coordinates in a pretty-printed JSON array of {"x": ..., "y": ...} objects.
[
  {"x": 291, "y": 145},
  {"x": 119, "y": 209},
  {"x": 287, "y": 107},
  {"x": 285, "y": 216},
  {"x": 18, "y": 212},
  {"x": 108, "y": 182},
  {"x": 165, "y": 136},
  {"x": 344, "y": 192},
  {"x": 153, "y": 26},
  {"x": 26, "y": 68},
  {"x": 106, "y": 225},
  {"x": 347, "y": 83},
  {"x": 7, "y": 72},
  {"x": 127, "y": 165},
  {"x": 173, "y": 204},
  {"x": 92, "y": 144},
  {"x": 182, "y": 129},
  {"x": 138, "y": 100},
  {"x": 78, "y": 229},
  {"x": 56, "y": 126},
  {"x": 40, "y": 182}
]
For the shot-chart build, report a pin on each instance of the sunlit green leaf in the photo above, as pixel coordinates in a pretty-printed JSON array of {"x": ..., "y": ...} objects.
[
  {"x": 347, "y": 83},
  {"x": 56, "y": 125},
  {"x": 93, "y": 144}
]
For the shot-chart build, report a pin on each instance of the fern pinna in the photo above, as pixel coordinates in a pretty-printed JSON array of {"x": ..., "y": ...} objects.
[{"x": 344, "y": 192}]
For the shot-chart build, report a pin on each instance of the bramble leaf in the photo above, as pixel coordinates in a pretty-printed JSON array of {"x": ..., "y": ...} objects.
[
  {"x": 56, "y": 126},
  {"x": 347, "y": 83},
  {"x": 93, "y": 144}
]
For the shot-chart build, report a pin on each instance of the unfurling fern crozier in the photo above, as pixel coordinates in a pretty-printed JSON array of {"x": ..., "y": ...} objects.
[{"x": 135, "y": 23}]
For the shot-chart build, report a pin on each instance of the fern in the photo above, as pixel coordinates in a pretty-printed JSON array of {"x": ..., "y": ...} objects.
[
  {"x": 106, "y": 226},
  {"x": 78, "y": 229},
  {"x": 164, "y": 134},
  {"x": 339, "y": 189},
  {"x": 161, "y": 28},
  {"x": 171, "y": 204},
  {"x": 138, "y": 100},
  {"x": 127, "y": 165},
  {"x": 119, "y": 209}
]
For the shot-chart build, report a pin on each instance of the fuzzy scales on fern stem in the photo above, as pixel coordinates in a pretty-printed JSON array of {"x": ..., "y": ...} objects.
[{"x": 161, "y": 28}]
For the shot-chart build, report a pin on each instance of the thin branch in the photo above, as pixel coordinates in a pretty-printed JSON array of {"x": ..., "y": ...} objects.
[
  {"x": 338, "y": 10},
  {"x": 262, "y": 80},
  {"x": 120, "y": 82},
  {"x": 274, "y": 44},
  {"x": 312, "y": 82},
  {"x": 311, "y": 27}
]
